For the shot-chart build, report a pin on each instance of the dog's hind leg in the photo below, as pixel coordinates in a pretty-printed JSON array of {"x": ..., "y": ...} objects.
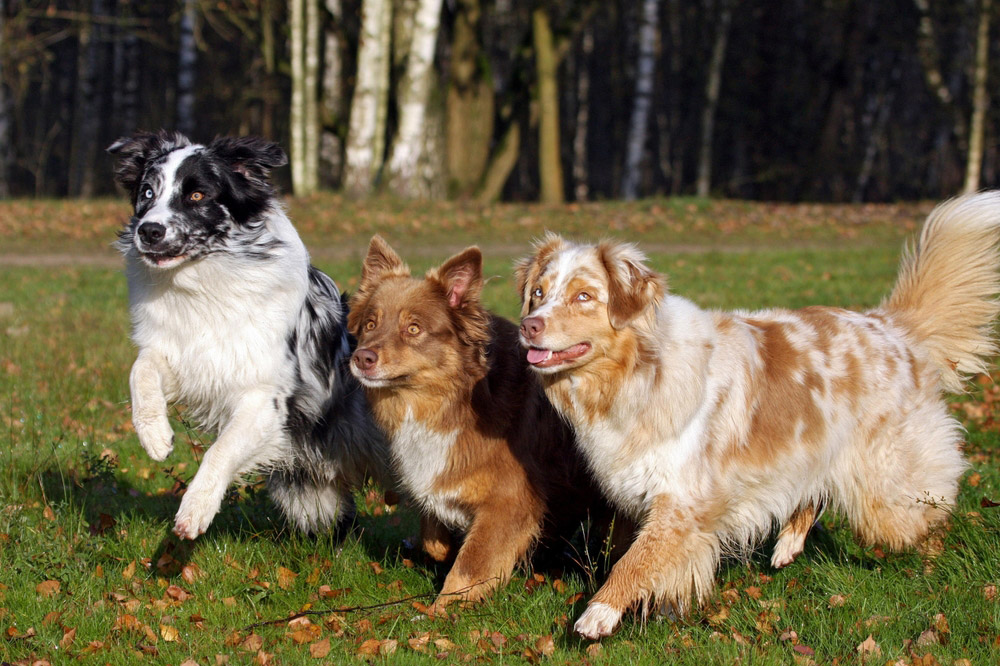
[
  {"x": 149, "y": 381},
  {"x": 792, "y": 537},
  {"x": 252, "y": 438},
  {"x": 672, "y": 561}
]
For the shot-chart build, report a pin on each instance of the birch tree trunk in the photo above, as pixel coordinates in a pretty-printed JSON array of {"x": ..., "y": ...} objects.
[
  {"x": 187, "y": 60},
  {"x": 125, "y": 94},
  {"x": 581, "y": 184},
  {"x": 704, "y": 184},
  {"x": 974, "y": 163},
  {"x": 310, "y": 90},
  {"x": 86, "y": 116},
  {"x": 546, "y": 65},
  {"x": 332, "y": 98},
  {"x": 645, "y": 68},
  {"x": 412, "y": 96},
  {"x": 366, "y": 132},
  {"x": 297, "y": 111}
]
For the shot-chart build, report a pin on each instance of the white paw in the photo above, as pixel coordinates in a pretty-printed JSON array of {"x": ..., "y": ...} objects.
[
  {"x": 785, "y": 552},
  {"x": 155, "y": 435},
  {"x": 597, "y": 621},
  {"x": 196, "y": 513}
]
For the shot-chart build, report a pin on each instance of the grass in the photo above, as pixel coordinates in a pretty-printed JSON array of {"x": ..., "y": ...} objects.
[{"x": 89, "y": 572}]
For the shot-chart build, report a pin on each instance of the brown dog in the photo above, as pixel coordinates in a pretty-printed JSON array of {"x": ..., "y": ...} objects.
[{"x": 473, "y": 439}]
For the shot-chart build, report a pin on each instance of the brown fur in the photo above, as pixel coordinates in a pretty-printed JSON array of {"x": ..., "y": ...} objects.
[{"x": 512, "y": 467}]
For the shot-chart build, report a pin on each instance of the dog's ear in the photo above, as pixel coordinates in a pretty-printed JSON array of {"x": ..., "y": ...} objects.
[
  {"x": 381, "y": 261},
  {"x": 134, "y": 153},
  {"x": 632, "y": 287},
  {"x": 527, "y": 269},
  {"x": 461, "y": 276},
  {"x": 250, "y": 156}
]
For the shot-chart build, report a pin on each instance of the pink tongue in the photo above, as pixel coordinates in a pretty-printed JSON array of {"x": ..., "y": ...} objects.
[{"x": 539, "y": 355}]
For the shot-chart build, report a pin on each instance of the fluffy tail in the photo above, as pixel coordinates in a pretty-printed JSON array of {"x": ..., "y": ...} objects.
[{"x": 946, "y": 293}]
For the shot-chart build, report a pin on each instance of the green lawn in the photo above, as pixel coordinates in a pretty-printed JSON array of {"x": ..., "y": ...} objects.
[{"x": 90, "y": 573}]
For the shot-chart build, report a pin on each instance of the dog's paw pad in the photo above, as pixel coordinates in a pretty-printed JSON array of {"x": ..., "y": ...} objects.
[{"x": 597, "y": 621}]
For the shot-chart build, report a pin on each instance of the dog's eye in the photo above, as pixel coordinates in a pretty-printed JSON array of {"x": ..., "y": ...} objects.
[
  {"x": 369, "y": 325},
  {"x": 583, "y": 297},
  {"x": 413, "y": 329},
  {"x": 148, "y": 194},
  {"x": 196, "y": 196},
  {"x": 537, "y": 293}
]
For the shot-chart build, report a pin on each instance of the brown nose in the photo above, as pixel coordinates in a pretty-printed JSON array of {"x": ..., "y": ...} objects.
[
  {"x": 365, "y": 359},
  {"x": 531, "y": 327}
]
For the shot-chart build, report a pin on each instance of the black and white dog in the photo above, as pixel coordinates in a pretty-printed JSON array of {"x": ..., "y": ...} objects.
[{"x": 232, "y": 321}]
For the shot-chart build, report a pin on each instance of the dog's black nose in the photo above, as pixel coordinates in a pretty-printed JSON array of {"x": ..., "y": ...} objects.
[
  {"x": 151, "y": 232},
  {"x": 532, "y": 326},
  {"x": 365, "y": 359}
]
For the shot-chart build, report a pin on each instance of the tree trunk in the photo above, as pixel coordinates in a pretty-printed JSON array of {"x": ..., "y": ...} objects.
[
  {"x": 187, "y": 62},
  {"x": 712, "y": 86},
  {"x": 977, "y": 124},
  {"x": 332, "y": 98},
  {"x": 310, "y": 89},
  {"x": 635, "y": 145},
  {"x": 470, "y": 103},
  {"x": 87, "y": 117},
  {"x": 546, "y": 64},
  {"x": 412, "y": 96},
  {"x": 581, "y": 185},
  {"x": 366, "y": 132},
  {"x": 297, "y": 110},
  {"x": 6, "y": 150},
  {"x": 125, "y": 94}
]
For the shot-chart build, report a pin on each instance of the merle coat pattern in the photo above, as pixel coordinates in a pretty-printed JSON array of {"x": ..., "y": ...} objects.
[{"x": 232, "y": 321}]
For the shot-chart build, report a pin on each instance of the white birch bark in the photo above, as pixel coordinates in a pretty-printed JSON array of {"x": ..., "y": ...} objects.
[
  {"x": 187, "y": 60},
  {"x": 974, "y": 164},
  {"x": 412, "y": 98},
  {"x": 310, "y": 90},
  {"x": 331, "y": 98},
  {"x": 635, "y": 145},
  {"x": 296, "y": 23},
  {"x": 366, "y": 131}
]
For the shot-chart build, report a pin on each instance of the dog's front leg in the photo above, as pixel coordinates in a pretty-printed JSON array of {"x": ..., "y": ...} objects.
[
  {"x": 247, "y": 441},
  {"x": 149, "y": 381},
  {"x": 500, "y": 534},
  {"x": 671, "y": 560}
]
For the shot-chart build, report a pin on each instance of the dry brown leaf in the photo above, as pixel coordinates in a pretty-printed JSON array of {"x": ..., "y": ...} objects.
[
  {"x": 753, "y": 592},
  {"x": 47, "y": 588},
  {"x": 252, "y": 643},
  {"x": 177, "y": 593},
  {"x": 928, "y": 637},
  {"x": 286, "y": 578},
  {"x": 388, "y": 646},
  {"x": 376, "y": 567},
  {"x": 67, "y": 638},
  {"x": 369, "y": 648},
  {"x": 990, "y": 592},
  {"x": 302, "y": 636},
  {"x": 573, "y": 598},
  {"x": 546, "y": 645},
  {"x": 594, "y": 649},
  {"x": 168, "y": 633},
  {"x": 559, "y": 586},
  {"x": 190, "y": 573},
  {"x": 189, "y": 662},
  {"x": 869, "y": 646},
  {"x": 837, "y": 600},
  {"x": 319, "y": 649},
  {"x": 129, "y": 571}
]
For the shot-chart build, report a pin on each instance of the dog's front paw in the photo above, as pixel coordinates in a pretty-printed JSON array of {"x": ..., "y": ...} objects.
[
  {"x": 597, "y": 621},
  {"x": 196, "y": 513},
  {"x": 155, "y": 435}
]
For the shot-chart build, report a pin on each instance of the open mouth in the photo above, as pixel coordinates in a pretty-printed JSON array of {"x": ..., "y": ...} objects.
[
  {"x": 547, "y": 358},
  {"x": 163, "y": 260}
]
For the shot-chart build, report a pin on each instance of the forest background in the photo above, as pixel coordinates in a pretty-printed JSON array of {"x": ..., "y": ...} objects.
[{"x": 839, "y": 100}]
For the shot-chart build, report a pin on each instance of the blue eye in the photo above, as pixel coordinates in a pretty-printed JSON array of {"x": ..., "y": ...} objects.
[
  {"x": 537, "y": 293},
  {"x": 148, "y": 193},
  {"x": 583, "y": 296}
]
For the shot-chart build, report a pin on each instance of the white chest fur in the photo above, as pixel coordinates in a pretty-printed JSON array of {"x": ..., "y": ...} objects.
[{"x": 421, "y": 457}]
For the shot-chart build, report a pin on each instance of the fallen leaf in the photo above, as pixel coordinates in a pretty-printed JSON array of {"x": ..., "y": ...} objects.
[
  {"x": 388, "y": 646},
  {"x": 987, "y": 503},
  {"x": 369, "y": 648},
  {"x": 326, "y": 593},
  {"x": 546, "y": 645},
  {"x": 168, "y": 633},
  {"x": 67, "y": 638},
  {"x": 48, "y": 588},
  {"x": 837, "y": 600},
  {"x": 252, "y": 643},
  {"x": 594, "y": 649},
  {"x": 753, "y": 592},
  {"x": 189, "y": 662},
  {"x": 990, "y": 592},
  {"x": 940, "y": 623},
  {"x": 319, "y": 649},
  {"x": 177, "y": 593},
  {"x": 129, "y": 571},
  {"x": 573, "y": 598},
  {"x": 286, "y": 578},
  {"x": 376, "y": 567},
  {"x": 928, "y": 637},
  {"x": 559, "y": 586},
  {"x": 869, "y": 646},
  {"x": 190, "y": 573},
  {"x": 804, "y": 649}
]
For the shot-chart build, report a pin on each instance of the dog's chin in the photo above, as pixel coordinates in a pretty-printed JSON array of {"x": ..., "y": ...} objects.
[
  {"x": 369, "y": 381},
  {"x": 549, "y": 361}
]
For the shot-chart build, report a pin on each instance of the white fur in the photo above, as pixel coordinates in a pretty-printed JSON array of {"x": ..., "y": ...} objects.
[
  {"x": 420, "y": 457},
  {"x": 598, "y": 620}
]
